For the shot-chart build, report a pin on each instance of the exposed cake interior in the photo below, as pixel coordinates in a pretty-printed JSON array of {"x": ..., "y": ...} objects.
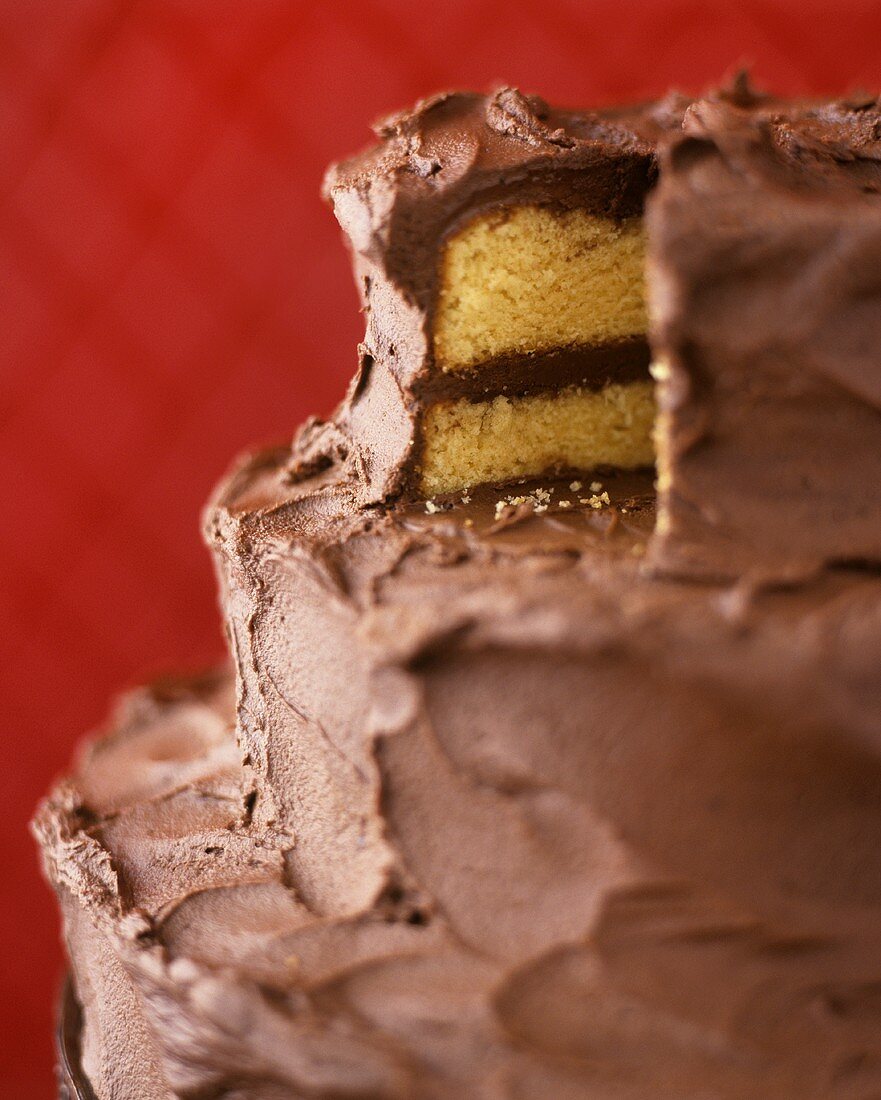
[
  {"x": 516, "y": 285},
  {"x": 468, "y": 443},
  {"x": 528, "y": 278}
]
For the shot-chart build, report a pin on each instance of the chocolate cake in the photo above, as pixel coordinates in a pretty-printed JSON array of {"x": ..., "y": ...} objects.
[
  {"x": 531, "y": 780},
  {"x": 499, "y": 251}
]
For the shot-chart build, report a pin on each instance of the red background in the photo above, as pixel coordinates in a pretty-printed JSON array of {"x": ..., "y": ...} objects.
[{"x": 172, "y": 290}]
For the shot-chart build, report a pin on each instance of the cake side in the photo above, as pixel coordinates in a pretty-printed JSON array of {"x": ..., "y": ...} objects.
[
  {"x": 191, "y": 955},
  {"x": 585, "y": 927},
  {"x": 764, "y": 261}
]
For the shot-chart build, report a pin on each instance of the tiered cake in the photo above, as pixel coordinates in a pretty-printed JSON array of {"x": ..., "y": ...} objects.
[{"x": 529, "y": 787}]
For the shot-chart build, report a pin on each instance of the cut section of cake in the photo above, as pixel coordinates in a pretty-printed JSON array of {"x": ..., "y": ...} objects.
[
  {"x": 765, "y": 291},
  {"x": 499, "y": 250}
]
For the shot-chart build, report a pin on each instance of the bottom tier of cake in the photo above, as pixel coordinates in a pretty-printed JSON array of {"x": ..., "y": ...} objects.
[{"x": 199, "y": 972}]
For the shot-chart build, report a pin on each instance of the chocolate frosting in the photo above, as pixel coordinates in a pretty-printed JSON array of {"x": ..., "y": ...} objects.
[
  {"x": 491, "y": 808},
  {"x": 516, "y": 375},
  {"x": 649, "y": 808},
  {"x": 72, "y": 1082},
  {"x": 765, "y": 290},
  {"x": 507, "y": 818}
]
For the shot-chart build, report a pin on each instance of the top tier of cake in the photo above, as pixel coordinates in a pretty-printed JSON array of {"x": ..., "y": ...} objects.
[{"x": 501, "y": 252}]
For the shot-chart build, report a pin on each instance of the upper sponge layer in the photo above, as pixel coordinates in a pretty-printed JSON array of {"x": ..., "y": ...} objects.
[{"x": 530, "y": 278}]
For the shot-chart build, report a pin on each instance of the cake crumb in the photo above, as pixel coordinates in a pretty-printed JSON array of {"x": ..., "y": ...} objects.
[
  {"x": 595, "y": 486},
  {"x": 466, "y": 499},
  {"x": 539, "y": 500},
  {"x": 431, "y": 507},
  {"x": 574, "y": 486}
]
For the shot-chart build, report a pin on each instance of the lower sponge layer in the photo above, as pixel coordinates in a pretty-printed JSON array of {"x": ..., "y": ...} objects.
[{"x": 466, "y": 443}]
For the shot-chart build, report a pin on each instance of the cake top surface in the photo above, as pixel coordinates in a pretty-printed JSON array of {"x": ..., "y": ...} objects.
[
  {"x": 453, "y": 131},
  {"x": 441, "y": 137},
  {"x": 428, "y": 150},
  {"x": 829, "y": 152}
]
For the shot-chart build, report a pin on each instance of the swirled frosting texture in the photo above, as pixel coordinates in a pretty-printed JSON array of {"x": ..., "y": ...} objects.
[{"x": 514, "y": 820}]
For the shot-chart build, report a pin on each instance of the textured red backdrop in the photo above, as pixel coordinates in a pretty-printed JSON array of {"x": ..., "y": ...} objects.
[{"x": 172, "y": 290}]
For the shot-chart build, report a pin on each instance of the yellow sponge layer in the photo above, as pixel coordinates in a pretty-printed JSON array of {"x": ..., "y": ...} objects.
[
  {"x": 530, "y": 278},
  {"x": 467, "y": 443}
]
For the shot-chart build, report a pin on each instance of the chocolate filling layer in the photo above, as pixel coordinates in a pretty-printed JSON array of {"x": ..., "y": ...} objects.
[{"x": 519, "y": 375}]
